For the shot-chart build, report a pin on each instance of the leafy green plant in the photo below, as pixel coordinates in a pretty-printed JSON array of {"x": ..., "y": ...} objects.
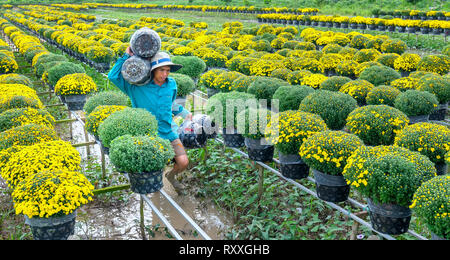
[
  {"x": 110, "y": 97},
  {"x": 376, "y": 124},
  {"x": 382, "y": 95},
  {"x": 265, "y": 87},
  {"x": 185, "y": 84},
  {"x": 133, "y": 121},
  {"x": 437, "y": 85},
  {"x": 388, "y": 174},
  {"x": 230, "y": 103},
  {"x": 379, "y": 75},
  {"x": 192, "y": 65},
  {"x": 416, "y": 102},
  {"x": 334, "y": 83},
  {"x": 428, "y": 139},
  {"x": 137, "y": 154},
  {"x": 290, "y": 97},
  {"x": 431, "y": 202},
  {"x": 333, "y": 107},
  {"x": 62, "y": 69}
]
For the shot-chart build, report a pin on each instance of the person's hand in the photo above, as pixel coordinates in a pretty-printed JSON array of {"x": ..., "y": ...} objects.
[{"x": 129, "y": 52}]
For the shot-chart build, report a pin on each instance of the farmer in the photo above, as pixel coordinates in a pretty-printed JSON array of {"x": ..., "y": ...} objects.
[{"x": 158, "y": 97}]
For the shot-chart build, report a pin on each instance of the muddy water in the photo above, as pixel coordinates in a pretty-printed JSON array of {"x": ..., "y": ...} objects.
[{"x": 120, "y": 220}]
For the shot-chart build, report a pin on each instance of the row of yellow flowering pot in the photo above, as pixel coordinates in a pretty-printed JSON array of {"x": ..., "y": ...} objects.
[
  {"x": 435, "y": 27},
  {"x": 41, "y": 170}
]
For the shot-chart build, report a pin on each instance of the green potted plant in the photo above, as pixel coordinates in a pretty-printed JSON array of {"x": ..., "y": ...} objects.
[
  {"x": 291, "y": 96},
  {"x": 98, "y": 115},
  {"x": 326, "y": 153},
  {"x": 133, "y": 121},
  {"x": 382, "y": 95},
  {"x": 143, "y": 158},
  {"x": 251, "y": 123},
  {"x": 376, "y": 124},
  {"x": 431, "y": 203},
  {"x": 358, "y": 89},
  {"x": 61, "y": 69},
  {"x": 440, "y": 87},
  {"x": 223, "y": 109},
  {"x": 431, "y": 140},
  {"x": 109, "y": 97},
  {"x": 379, "y": 75},
  {"x": 334, "y": 83},
  {"x": 393, "y": 46},
  {"x": 416, "y": 104},
  {"x": 364, "y": 55},
  {"x": 333, "y": 107},
  {"x": 388, "y": 176},
  {"x": 265, "y": 87},
  {"x": 185, "y": 85},
  {"x": 49, "y": 200},
  {"x": 192, "y": 66},
  {"x": 287, "y": 131}
]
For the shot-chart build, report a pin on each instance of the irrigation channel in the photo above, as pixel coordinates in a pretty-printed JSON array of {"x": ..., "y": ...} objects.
[{"x": 212, "y": 222}]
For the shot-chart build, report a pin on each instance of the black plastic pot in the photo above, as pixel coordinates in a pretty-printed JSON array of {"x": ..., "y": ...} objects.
[
  {"x": 146, "y": 182},
  {"x": 292, "y": 166},
  {"x": 233, "y": 139},
  {"x": 331, "y": 188},
  {"x": 389, "y": 218},
  {"x": 258, "y": 150}
]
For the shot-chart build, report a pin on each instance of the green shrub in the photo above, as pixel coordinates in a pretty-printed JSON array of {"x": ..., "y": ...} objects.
[
  {"x": 20, "y": 102},
  {"x": 110, "y": 97},
  {"x": 295, "y": 77},
  {"x": 185, "y": 84},
  {"x": 387, "y": 59},
  {"x": 376, "y": 124},
  {"x": 379, "y": 75},
  {"x": 100, "y": 54},
  {"x": 446, "y": 50},
  {"x": 138, "y": 154},
  {"x": 431, "y": 202},
  {"x": 265, "y": 87},
  {"x": 193, "y": 66},
  {"x": 388, "y": 174},
  {"x": 290, "y": 97},
  {"x": 437, "y": 85},
  {"x": 429, "y": 139},
  {"x": 133, "y": 121},
  {"x": 252, "y": 122},
  {"x": 242, "y": 83},
  {"x": 416, "y": 103},
  {"x": 328, "y": 151},
  {"x": 359, "y": 42},
  {"x": 333, "y": 107},
  {"x": 280, "y": 74},
  {"x": 15, "y": 79},
  {"x": 62, "y": 69},
  {"x": 334, "y": 83},
  {"x": 98, "y": 115},
  {"x": 218, "y": 109},
  {"x": 382, "y": 95}
]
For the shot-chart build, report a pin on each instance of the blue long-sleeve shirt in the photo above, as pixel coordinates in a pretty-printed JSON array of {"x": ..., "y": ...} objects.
[{"x": 158, "y": 100}]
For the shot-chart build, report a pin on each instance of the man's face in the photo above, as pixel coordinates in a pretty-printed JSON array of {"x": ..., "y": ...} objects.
[{"x": 161, "y": 74}]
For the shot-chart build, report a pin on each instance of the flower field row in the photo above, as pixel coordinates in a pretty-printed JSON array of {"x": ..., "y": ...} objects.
[
  {"x": 41, "y": 170},
  {"x": 358, "y": 22}
]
